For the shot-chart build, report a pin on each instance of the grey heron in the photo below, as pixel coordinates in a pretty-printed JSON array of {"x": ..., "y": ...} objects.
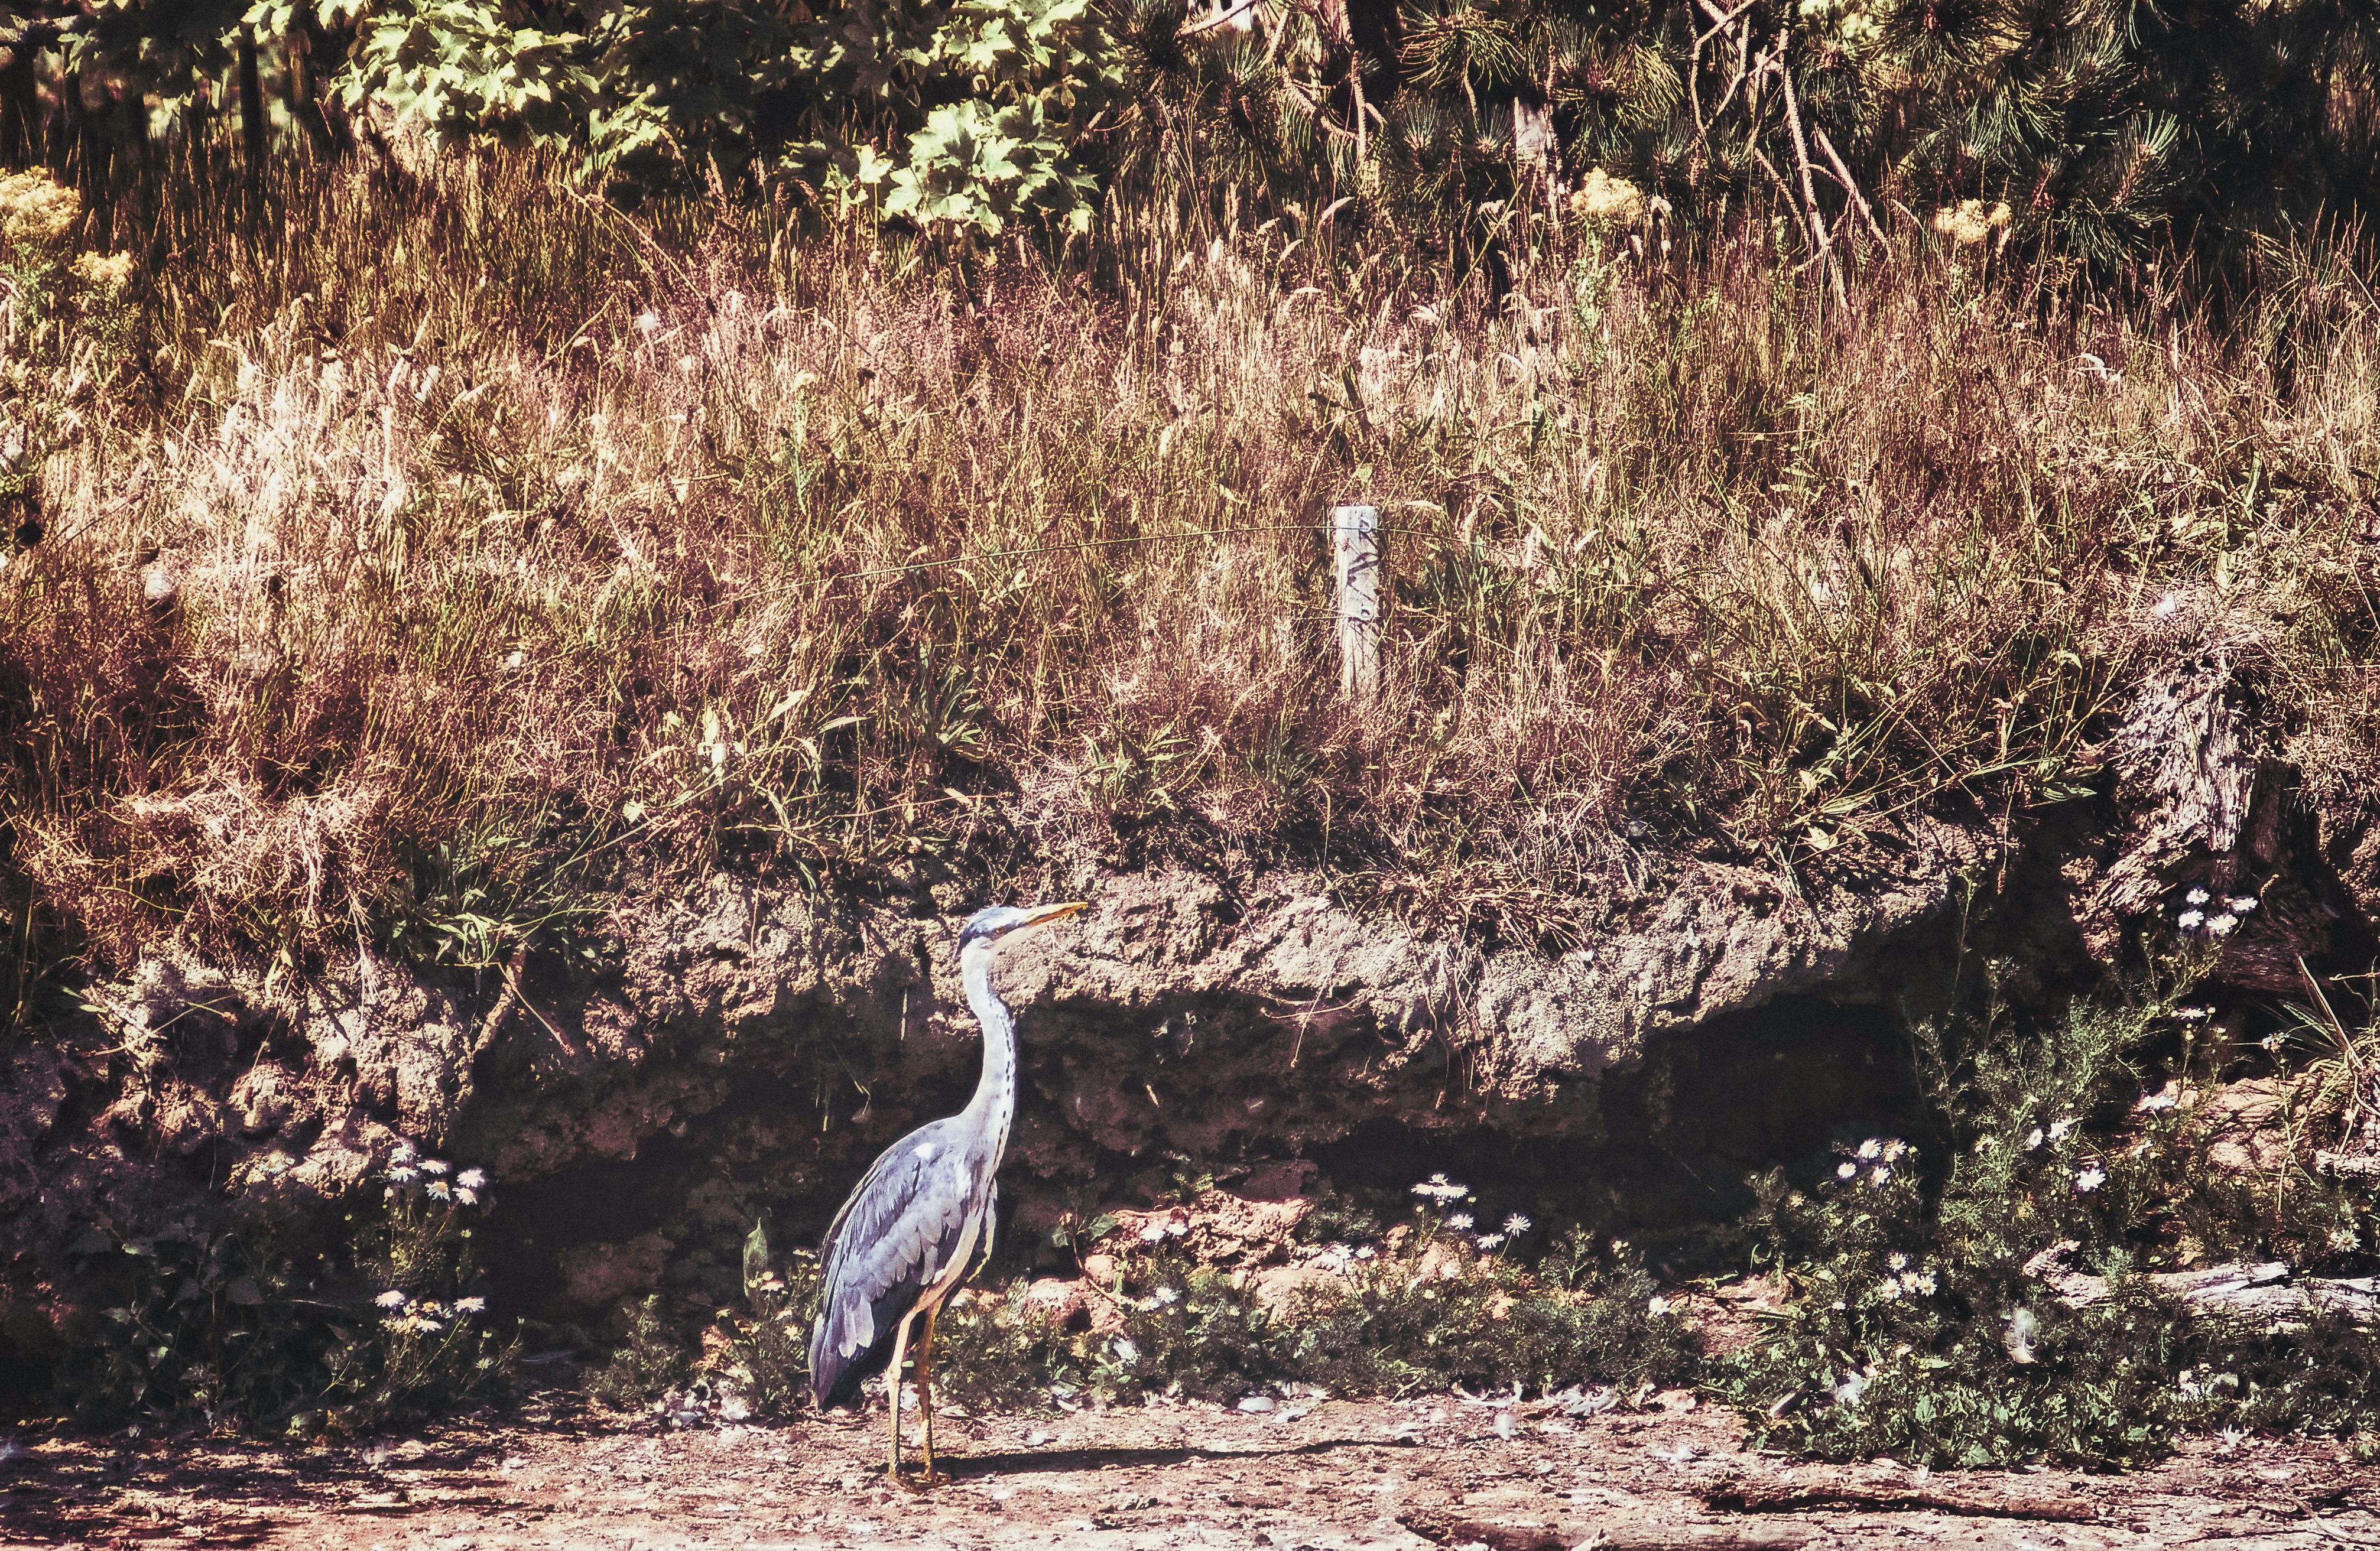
[{"x": 921, "y": 1218}]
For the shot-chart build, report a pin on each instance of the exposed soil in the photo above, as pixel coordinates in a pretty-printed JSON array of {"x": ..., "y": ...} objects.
[{"x": 1445, "y": 1470}]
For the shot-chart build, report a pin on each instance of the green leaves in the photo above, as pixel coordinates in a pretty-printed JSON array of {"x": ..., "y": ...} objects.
[{"x": 974, "y": 166}]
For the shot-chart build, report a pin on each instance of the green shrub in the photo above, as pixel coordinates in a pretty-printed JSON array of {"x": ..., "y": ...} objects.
[
  {"x": 242, "y": 1327},
  {"x": 649, "y": 1363},
  {"x": 1912, "y": 1328},
  {"x": 1427, "y": 1310}
]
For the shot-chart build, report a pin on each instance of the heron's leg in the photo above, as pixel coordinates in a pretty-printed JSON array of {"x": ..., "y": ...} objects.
[
  {"x": 926, "y": 1392},
  {"x": 892, "y": 1393}
]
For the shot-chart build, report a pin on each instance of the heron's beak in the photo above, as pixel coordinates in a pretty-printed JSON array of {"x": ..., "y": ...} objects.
[{"x": 1041, "y": 915}]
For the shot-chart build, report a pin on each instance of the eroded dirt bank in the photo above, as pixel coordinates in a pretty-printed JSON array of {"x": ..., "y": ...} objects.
[
  {"x": 642, "y": 1095},
  {"x": 1437, "y": 1471}
]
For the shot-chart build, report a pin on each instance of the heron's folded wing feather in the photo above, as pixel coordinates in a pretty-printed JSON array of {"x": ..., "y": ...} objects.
[{"x": 900, "y": 1228}]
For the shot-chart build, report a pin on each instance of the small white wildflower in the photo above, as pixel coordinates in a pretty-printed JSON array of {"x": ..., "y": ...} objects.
[
  {"x": 1152, "y": 1233},
  {"x": 1896, "y": 1261},
  {"x": 2222, "y": 925},
  {"x": 466, "y": 1196},
  {"x": 470, "y": 1305},
  {"x": 2194, "y": 1015},
  {"x": 2033, "y": 1139},
  {"x": 1890, "y": 1292},
  {"x": 1167, "y": 1296},
  {"x": 2272, "y": 1043},
  {"x": 1459, "y": 1221},
  {"x": 428, "y": 1327},
  {"x": 436, "y": 1166},
  {"x": 392, "y": 1299},
  {"x": 1882, "y": 1176},
  {"x": 1848, "y": 1393},
  {"x": 2197, "y": 896},
  {"x": 404, "y": 1152},
  {"x": 2091, "y": 1178},
  {"x": 1516, "y": 1224},
  {"x": 1894, "y": 1150},
  {"x": 1846, "y": 1170},
  {"x": 437, "y": 1189},
  {"x": 403, "y": 1176},
  {"x": 1656, "y": 1306},
  {"x": 648, "y": 323},
  {"x": 472, "y": 1179},
  {"x": 1177, "y": 1230},
  {"x": 1364, "y": 1252},
  {"x": 1490, "y": 1242},
  {"x": 1870, "y": 1148},
  {"x": 2189, "y": 920},
  {"x": 2023, "y": 1326},
  {"x": 2240, "y": 904},
  {"x": 2154, "y": 1103},
  {"x": 2343, "y": 1241},
  {"x": 1922, "y": 1281}
]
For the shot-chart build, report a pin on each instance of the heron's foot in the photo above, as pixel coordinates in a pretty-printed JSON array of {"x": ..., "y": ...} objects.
[{"x": 919, "y": 1483}]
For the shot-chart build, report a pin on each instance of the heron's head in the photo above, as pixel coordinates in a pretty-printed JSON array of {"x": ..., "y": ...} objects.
[{"x": 987, "y": 927}]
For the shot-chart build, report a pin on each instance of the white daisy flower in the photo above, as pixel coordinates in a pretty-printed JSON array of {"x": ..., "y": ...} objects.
[
  {"x": 392, "y": 1299},
  {"x": 1846, "y": 1170},
  {"x": 1516, "y": 1224},
  {"x": 470, "y": 1305},
  {"x": 1459, "y": 1221},
  {"x": 2197, "y": 896},
  {"x": 472, "y": 1179},
  {"x": 2033, "y": 1140},
  {"x": 2221, "y": 925},
  {"x": 2240, "y": 904},
  {"x": 2091, "y": 1178},
  {"x": 2189, "y": 920}
]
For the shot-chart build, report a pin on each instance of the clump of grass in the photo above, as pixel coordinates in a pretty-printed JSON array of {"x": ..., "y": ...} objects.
[
  {"x": 490, "y": 548},
  {"x": 1914, "y": 1327}
]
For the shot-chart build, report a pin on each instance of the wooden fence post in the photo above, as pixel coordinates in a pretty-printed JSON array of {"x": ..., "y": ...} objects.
[{"x": 1355, "y": 556}]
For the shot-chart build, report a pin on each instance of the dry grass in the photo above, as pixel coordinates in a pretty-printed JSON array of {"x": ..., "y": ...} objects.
[{"x": 476, "y": 547}]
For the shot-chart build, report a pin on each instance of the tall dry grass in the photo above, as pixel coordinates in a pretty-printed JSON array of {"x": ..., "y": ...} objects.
[{"x": 475, "y": 548}]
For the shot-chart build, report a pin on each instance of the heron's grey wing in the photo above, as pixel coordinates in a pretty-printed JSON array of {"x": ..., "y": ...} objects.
[{"x": 895, "y": 1235}]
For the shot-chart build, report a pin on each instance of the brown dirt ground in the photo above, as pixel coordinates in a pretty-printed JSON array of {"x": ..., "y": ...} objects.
[{"x": 1411, "y": 1475}]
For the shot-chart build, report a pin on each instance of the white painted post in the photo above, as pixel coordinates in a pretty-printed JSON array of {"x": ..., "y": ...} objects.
[{"x": 1355, "y": 555}]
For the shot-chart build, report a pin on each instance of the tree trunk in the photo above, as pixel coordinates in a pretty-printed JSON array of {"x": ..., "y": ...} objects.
[{"x": 252, "y": 129}]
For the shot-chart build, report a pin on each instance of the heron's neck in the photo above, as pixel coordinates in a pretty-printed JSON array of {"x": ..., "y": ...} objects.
[{"x": 995, "y": 1093}]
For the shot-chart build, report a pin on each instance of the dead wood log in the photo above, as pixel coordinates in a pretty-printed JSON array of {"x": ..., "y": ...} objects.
[
  {"x": 2270, "y": 1295},
  {"x": 1448, "y": 1529},
  {"x": 1796, "y": 1497}
]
